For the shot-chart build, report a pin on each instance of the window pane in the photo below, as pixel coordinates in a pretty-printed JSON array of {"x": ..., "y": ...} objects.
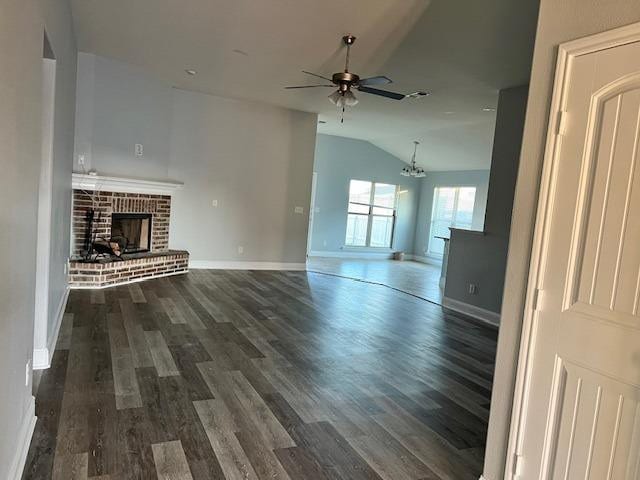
[
  {"x": 388, "y": 212},
  {"x": 360, "y": 192},
  {"x": 464, "y": 212},
  {"x": 381, "y": 229},
  {"x": 356, "y": 230},
  {"x": 385, "y": 195},
  {"x": 357, "y": 208},
  {"x": 444, "y": 203}
]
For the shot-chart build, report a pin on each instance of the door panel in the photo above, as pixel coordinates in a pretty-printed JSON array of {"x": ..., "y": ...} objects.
[{"x": 582, "y": 403}]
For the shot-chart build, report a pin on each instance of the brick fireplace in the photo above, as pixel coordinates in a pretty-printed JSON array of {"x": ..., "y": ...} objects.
[{"x": 153, "y": 258}]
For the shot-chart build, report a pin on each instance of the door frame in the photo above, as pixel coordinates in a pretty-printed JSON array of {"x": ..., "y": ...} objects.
[
  {"x": 557, "y": 120},
  {"x": 312, "y": 211}
]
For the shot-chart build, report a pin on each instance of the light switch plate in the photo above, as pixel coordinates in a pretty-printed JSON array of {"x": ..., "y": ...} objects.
[
  {"x": 214, "y": 203},
  {"x": 298, "y": 210}
]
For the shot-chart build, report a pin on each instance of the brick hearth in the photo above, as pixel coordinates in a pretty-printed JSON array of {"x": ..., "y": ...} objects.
[{"x": 159, "y": 262}]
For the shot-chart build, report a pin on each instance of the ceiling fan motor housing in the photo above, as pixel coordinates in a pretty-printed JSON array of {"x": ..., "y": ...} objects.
[{"x": 345, "y": 80}]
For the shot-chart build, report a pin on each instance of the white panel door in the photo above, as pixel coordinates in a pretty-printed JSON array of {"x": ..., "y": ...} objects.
[{"x": 581, "y": 404}]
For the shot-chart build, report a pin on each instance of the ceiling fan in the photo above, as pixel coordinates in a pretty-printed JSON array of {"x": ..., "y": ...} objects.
[{"x": 346, "y": 81}]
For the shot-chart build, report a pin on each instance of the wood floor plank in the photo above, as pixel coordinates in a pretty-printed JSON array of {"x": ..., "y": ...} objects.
[
  {"x": 161, "y": 355},
  {"x": 135, "y": 335},
  {"x": 170, "y": 460},
  {"x": 221, "y": 428},
  {"x": 137, "y": 296},
  {"x": 71, "y": 467}
]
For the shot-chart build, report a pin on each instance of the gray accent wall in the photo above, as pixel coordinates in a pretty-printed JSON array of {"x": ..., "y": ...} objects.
[
  {"x": 480, "y": 259},
  {"x": 119, "y": 105},
  {"x": 338, "y": 160},
  {"x": 465, "y": 178},
  {"x": 254, "y": 159},
  {"x": 22, "y": 26}
]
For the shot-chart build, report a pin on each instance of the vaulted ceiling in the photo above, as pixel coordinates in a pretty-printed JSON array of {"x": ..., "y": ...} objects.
[{"x": 461, "y": 51}]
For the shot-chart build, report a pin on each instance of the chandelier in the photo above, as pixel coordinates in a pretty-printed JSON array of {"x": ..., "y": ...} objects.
[{"x": 413, "y": 171}]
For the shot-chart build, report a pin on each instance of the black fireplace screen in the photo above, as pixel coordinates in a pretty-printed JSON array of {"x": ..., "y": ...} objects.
[{"x": 132, "y": 230}]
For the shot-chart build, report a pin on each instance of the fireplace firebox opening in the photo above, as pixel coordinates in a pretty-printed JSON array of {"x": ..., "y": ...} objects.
[{"x": 132, "y": 230}]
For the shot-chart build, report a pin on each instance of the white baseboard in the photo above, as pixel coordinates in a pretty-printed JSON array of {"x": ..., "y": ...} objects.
[
  {"x": 230, "y": 265},
  {"x": 478, "y": 313},
  {"x": 353, "y": 254},
  {"x": 23, "y": 441},
  {"x": 42, "y": 356},
  {"x": 428, "y": 260}
]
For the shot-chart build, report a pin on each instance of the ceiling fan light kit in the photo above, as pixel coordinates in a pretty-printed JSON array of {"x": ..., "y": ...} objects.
[
  {"x": 346, "y": 81},
  {"x": 412, "y": 170}
]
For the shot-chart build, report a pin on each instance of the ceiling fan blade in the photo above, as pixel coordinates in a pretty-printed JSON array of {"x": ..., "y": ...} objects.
[
  {"x": 380, "y": 80},
  {"x": 382, "y": 93},
  {"x": 316, "y": 75},
  {"x": 310, "y": 86}
]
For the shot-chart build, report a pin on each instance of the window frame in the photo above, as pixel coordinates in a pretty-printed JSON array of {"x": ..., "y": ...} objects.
[
  {"x": 370, "y": 215},
  {"x": 452, "y": 224}
]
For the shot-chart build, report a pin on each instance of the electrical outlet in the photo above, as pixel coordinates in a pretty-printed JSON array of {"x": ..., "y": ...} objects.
[
  {"x": 81, "y": 160},
  {"x": 214, "y": 203},
  {"x": 240, "y": 249},
  {"x": 139, "y": 150},
  {"x": 298, "y": 210},
  {"x": 27, "y": 371},
  {"x": 473, "y": 289}
]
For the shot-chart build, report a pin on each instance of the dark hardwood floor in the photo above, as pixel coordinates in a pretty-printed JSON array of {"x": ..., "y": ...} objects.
[{"x": 262, "y": 375}]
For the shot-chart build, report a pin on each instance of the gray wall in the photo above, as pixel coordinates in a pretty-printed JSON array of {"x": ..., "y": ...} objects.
[
  {"x": 559, "y": 21},
  {"x": 481, "y": 259},
  {"x": 21, "y": 37},
  {"x": 256, "y": 160},
  {"x": 339, "y": 160},
  {"x": 119, "y": 105},
  {"x": 466, "y": 178}
]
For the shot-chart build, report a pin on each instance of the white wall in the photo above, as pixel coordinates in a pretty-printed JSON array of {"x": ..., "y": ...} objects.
[
  {"x": 559, "y": 21},
  {"x": 338, "y": 160},
  {"x": 254, "y": 159},
  {"x": 22, "y": 24},
  {"x": 465, "y": 178}
]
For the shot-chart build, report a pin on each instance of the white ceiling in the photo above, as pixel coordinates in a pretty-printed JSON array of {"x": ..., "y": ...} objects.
[{"x": 462, "y": 51}]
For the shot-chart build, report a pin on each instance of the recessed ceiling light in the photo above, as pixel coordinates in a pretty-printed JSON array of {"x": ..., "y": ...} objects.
[
  {"x": 449, "y": 113},
  {"x": 418, "y": 94},
  {"x": 191, "y": 72},
  {"x": 488, "y": 109}
]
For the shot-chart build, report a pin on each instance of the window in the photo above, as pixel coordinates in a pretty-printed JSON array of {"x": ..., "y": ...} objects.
[
  {"x": 371, "y": 214},
  {"x": 452, "y": 207}
]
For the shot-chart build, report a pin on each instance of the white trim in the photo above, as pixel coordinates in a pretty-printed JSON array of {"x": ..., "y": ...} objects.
[
  {"x": 482, "y": 314},
  {"x": 353, "y": 254},
  {"x": 427, "y": 259},
  {"x": 232, "y": 265},
  {"x": 482, "y": 477},
  {"x": 135, "y": 280},
  {"x": 83, "y": 181},
  {"x": 566, "y": 53},
  {"x": 23, "y": 441},
  {"x": 42, "y": 356}
]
